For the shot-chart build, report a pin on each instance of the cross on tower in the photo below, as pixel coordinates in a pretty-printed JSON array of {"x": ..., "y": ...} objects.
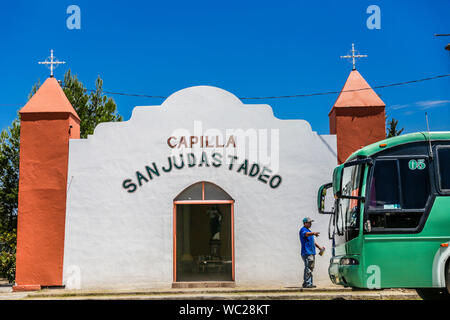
[
  {"x": 353, "y": 56},
  {"x": 51, "y": 61}
]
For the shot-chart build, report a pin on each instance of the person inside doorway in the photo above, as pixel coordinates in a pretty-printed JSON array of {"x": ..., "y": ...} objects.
[
  {"x": 308, "y": 251},
  {"x": 215, "y": 222},
  {"x": 215, "y": 225}
]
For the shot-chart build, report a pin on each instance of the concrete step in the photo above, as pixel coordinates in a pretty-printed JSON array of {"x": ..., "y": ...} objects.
[
  {"x": 185, "y": 290},
  {"x": 255, "y": 296},
  {"x": 206, "y": 284},
  {"x": 230, "y": 294}
]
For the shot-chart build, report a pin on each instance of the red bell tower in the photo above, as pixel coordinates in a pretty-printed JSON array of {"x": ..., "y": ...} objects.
[
  {"x": 48, "y": 121},
  {"x": 357, "y": 117}
]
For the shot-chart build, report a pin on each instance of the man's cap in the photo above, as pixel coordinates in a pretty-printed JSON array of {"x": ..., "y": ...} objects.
[{"x": 307, "y": 219}]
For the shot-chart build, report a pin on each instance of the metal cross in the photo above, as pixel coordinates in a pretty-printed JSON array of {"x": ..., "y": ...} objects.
[
  {"x": 353, "y": 56},
  {"x": 51, "y": 61}
]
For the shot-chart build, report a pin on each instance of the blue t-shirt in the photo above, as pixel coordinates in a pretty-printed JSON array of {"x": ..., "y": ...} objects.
[{"x": 308, "y": 246}]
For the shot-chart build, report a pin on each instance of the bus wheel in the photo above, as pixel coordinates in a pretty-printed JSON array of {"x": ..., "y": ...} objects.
[{"x": 433, "y": 293}]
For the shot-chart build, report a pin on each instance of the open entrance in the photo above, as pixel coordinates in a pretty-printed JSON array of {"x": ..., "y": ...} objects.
[{"x": 203, "y": 234}]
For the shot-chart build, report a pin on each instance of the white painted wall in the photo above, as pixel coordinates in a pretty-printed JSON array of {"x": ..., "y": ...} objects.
[{"x": 118, "y": 239}]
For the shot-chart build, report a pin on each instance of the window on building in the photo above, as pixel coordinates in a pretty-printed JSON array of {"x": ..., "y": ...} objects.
[
  {"x": 194, "y": 192},
  {"x": 203, "y": 191}
]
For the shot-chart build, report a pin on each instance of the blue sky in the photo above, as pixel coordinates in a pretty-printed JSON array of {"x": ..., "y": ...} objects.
[{"x": 250, "y": 48}]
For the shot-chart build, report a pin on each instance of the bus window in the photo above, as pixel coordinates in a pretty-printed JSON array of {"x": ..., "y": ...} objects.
[
  {"x": 443, "y": 155},
  {"x": 384, "y": 191},
  {"x": 398, "y": 193},
  {"x": 415, "y": 183},
  {"x": 348, "y": 211}
]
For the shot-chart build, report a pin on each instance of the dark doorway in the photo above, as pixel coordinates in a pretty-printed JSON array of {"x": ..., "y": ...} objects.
[
  {"x": 204, "y": 248},
  {"x": 203, "y": 234}
]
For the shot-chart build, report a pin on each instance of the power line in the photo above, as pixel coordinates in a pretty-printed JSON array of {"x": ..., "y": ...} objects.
[
  {"x": 130, "y": 94},
  {"x": 275, "y": 97},
  {"x": 294, "y": 95},
  {"x": 353, "y": 90}
]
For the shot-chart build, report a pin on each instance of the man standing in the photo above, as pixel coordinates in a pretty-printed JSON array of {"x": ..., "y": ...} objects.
[{"x": 308, "y": 251}]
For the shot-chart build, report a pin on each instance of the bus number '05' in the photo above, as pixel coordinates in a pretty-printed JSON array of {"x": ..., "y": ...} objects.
[{"x": 417, "y": 164}]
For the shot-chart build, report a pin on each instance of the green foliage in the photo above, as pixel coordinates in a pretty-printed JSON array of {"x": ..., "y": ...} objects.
[
  {"x": 9, "y": 175},
  {"x": 8, "y": 255},
  {"x": 92, "y": 108},
  {"x": 34, "y": 89},
  {"x": 392, "y": 129}
]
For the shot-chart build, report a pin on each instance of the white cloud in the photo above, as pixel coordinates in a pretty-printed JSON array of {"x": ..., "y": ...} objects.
[
  {"x": 399, "y": 106},
  {"x": 432, "y": 103},
  {"x": 420, "y": 105}
]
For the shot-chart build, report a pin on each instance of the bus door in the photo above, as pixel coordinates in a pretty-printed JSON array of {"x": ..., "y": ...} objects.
[{"x": 397, "y": 198}]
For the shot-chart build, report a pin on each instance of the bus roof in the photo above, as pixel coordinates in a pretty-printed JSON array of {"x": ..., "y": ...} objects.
[{"x": 376, "y": 147}]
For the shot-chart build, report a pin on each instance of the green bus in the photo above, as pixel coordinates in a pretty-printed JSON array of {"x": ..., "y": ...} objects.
[{"x": 390, "y": 215}]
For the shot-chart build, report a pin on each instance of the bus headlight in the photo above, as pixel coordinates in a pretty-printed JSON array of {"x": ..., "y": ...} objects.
[
  {"x": 348, "y": 262},
  {"x": 335, "y": 260}
]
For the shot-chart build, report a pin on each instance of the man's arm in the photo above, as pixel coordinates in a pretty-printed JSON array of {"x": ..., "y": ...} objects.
[
  {"x": 308, "y": 234},
  {"x": 317, "y": 246}
]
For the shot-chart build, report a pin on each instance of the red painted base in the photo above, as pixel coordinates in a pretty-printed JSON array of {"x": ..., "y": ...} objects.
[{"x": 26, "y": 287}]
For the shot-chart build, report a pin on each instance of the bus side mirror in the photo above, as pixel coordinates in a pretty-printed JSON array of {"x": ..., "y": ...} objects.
[
  {"x": 337, "y": 180},
  {"x": 321, "y": 199}
]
